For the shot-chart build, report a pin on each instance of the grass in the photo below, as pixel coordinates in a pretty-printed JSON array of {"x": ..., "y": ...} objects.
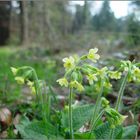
[{"x": 16, "y": 57}]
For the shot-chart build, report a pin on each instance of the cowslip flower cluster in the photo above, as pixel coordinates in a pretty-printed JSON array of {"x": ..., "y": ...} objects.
[
  {"x": 74, "y": 70},
  {"x": 76, "y": 67},
  {"x": 115, "y": 75},
  {"x": 132, "y": 69},
  {"x": 22, "y": 76},
  {"x": 113, "y": 116}
]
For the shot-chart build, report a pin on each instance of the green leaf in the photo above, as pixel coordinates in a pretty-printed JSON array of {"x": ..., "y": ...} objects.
[
  {"x": 81, "y": 115},
  {"x": 85, "y": 135},
  {"x": 20, "y": 127},
  {"x": 129, "y": 132},
  {"x": 36, "y": 130},
  {"x": 103, "y": 131}
]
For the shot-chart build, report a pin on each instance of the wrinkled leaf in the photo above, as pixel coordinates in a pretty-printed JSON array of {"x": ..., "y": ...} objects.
[
  {"x": 81, "y": 115},
  {"x": 36, "y": 130},
  {"x": 129, "y": 132},
  {"x": 103, "y": 131}
]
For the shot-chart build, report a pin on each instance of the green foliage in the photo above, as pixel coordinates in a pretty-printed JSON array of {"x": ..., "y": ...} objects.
[
  {"x": 105, "y": 19},
  {"x": 35, "y": 57},
  {"x": 103, "y": 131},
  {"x": 136, "y": 3},
  {"x": 82, "y": 16},
  {"x": 36, "y": 129},
  {"x": 71, "y": 121},
  {"x": 133, "y": 27},
  {"x": 85, "y": 135},
  {"x": 129, "y": 132},
  {"x": 81, "y": 115}
]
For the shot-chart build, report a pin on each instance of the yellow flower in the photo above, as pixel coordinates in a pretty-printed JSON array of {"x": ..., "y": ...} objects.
[
  {"x": 115, "y": 75},
  {"x": 29, "y": 83},
  {"x": 122, "y": 118},
  {"x": 126, "y": 65},
  {"x": 102, "y": 72},
  {"x": 63, "y": 82},
  {"x": 114, "y": 117},
  {"x": 75, "y": 84},
  {"x": 31, "y": 86},
  {"x": 92, "y": 55},
  {"x": 97, "y": 88},
  {"x": 107, "y": 85},
  {"x": 20, "y": 80},
  {"x": 105, "y": 102},
  {"x": 14, "y": 70},
  {"x": 80, "y": 87},
  {"x": 91, "y": 78},
  {"x": 69, "y": 62},
  {"x": 136, "y": 71},
  {"x": 33, "y": 90}
]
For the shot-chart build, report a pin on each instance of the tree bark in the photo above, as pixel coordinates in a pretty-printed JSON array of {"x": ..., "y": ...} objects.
[
  {"x": 24, "y": 21},
  {"x": 5, "y": 8}
]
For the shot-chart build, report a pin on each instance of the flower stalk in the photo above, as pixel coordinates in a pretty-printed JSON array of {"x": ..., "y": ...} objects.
[
  {"x": 39, "y": 95},
  {"x": 70, "y": 114},
  {"x": 97, "y": 106},
  {"x": 119, "y": 99},
  {"x": 121, "y": 91}
]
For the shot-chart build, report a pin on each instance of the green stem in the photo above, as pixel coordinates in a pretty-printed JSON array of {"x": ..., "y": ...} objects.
[
  {"x": 70, "y": 114},
  {"x": 97, "y": 105},
  {"x": 120, "y": 95},
  {"x": 39, "y": 94},
  {"x": 96, "y": 109},
  {"x": 121, "y": 91},
  {"x": 96, "y": 120}
]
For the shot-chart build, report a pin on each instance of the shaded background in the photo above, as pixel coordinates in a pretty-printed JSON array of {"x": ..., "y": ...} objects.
[{"x": 58, "y": 23}]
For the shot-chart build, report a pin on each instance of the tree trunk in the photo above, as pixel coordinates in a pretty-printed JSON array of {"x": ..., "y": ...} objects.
[
  {"x": 24, "y": 21},
  {"x": 5, "y": 8}
]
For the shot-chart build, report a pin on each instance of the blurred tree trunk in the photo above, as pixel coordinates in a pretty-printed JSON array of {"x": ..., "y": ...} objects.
[
  {"x": 50, "y": 32},
  {"x": 5, "y": 9},
  {"x": 24, "y": 21},
  {"x": 85, "y": 10}
]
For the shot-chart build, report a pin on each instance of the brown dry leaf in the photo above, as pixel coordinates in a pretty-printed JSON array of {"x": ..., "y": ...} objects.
[
  {"x": 84, "y": 128},
  {"x": 130, "y": 119},
  {"x": 3, "y": 135},
  {"x": 5, "y": 116},
  {"x": 15, "y": 131},
  {"x": 16, "y": 119}
]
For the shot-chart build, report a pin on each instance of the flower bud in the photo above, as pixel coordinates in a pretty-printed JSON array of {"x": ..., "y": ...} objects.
[
  {"x": 105, "y": 102},
  {"x": 20, "y": 80},
  {"x": 14, "y": 70}
]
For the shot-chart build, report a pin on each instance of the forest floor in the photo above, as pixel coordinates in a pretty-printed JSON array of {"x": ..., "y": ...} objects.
[{"x": 49, "y": 67}]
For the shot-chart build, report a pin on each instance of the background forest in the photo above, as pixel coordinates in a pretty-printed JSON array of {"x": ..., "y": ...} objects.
[{"x": 40, "y": 33}]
